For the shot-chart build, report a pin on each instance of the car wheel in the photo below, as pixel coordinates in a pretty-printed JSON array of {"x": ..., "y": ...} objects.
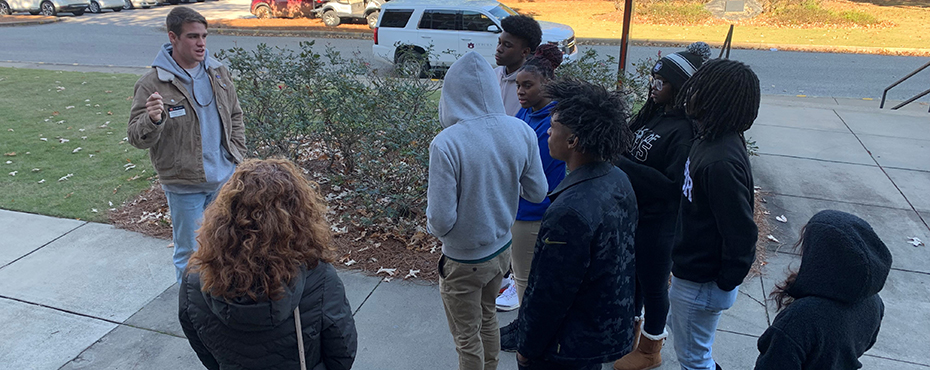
[
  {"x": 78, "y": 12},
  {"x": 48, "y": 9},
  {"x": 94, "y": 7},
  {"x": 330, "y": 18},
  {"x": 263, "y": 12},
  {"x": 127, "y": 4},
  {"x": 411, "y": 63},
  {"x": 373, "y": 18},
  {"x": 5, "y": 8}
]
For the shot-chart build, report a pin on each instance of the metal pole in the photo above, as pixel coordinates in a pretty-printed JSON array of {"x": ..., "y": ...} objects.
[{"x": 624, "y": 40}]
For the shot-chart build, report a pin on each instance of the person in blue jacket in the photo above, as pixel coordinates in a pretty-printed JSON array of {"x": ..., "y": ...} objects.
[{"x": 531, "y": 79}]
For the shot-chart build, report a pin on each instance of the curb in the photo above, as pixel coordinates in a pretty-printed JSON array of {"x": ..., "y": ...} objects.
[
  {"x": 772, "y": 47},
  {"x": 30, "y": 22},
  {"x": 291, "y": 33},
  {"x": 601, "y": 41}
]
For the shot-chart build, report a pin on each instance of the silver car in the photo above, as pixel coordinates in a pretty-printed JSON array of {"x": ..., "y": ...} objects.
[
  {"x": 45, "y": 7},
  {"x": 97, "y": 6}
]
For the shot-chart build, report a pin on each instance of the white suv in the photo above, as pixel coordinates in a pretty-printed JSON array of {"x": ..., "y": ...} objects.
[{"x": 407, "y": 29}]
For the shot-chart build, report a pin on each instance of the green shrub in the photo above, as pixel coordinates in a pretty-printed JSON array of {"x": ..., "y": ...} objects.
[{"x": 369, "y": 130}]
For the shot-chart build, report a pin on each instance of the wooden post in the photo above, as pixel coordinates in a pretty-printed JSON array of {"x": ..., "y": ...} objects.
[{"x": 624, "y": 40}]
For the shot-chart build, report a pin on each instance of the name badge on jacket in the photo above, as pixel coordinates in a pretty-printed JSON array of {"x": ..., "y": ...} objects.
[{"x": 176, "y": 111}]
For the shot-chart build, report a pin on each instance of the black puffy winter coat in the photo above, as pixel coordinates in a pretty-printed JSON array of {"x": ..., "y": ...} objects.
[{"x": 245, "y": 334}]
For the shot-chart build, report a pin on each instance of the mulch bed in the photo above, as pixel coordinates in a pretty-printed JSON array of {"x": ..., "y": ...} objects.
[{"x": 382, "y": 254}]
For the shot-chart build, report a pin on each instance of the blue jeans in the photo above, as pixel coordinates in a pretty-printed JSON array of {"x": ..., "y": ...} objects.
[
  {"x": 186, "y": 214},
  {"x": 694, "y": 312}
]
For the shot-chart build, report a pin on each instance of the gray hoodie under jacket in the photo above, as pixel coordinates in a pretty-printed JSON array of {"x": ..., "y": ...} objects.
[
  {"x": 480, "y": 165},
  {"x": 218, "y": 164}
]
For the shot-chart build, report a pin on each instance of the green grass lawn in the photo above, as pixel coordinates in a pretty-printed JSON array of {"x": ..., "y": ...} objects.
[{"x": 90, "y": 111}]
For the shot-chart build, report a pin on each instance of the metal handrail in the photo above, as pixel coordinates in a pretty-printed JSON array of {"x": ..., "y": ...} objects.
[
  {"x": 918, "y": 96},
  {"x": 727, "y": 43}
]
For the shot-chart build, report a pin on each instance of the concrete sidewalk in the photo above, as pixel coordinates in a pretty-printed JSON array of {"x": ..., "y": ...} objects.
[{"x": 79, "y": 295}]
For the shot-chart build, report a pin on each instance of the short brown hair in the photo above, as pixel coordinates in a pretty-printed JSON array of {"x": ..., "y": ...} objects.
[
  {"x": 181, "y": 15},
  {"x": 265, "y": 224}
]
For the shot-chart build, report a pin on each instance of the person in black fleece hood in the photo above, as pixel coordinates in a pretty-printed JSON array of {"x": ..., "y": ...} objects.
[{"x": 831, "y": 311}]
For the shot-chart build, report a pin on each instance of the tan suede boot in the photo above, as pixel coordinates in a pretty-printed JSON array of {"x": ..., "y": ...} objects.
[{"x": 646, "y": 356}]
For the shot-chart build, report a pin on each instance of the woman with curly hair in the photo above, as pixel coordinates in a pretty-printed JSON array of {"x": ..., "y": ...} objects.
[{"x": 260, "y": 292}]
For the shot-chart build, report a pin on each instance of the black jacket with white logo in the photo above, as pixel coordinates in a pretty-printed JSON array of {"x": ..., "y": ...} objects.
[{"x": 715, "y": 239}]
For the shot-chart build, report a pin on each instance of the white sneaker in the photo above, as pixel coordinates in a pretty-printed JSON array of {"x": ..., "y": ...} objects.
[
  {"x": 508, "y": 300},
  {"x": 505, "y": 283}
]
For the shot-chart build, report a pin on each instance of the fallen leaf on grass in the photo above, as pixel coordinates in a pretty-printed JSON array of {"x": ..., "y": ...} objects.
[
  {"x": 83, "y": 137},
  {"x": 9, "y": 162},
  {"x": 10, "y": 130},
  {"x": 10, "y": 154},
  {"x": 14, "y": 173},
  {"x": 78, "y": 149},
  {"x": 771, "y": 238},
  {"x": 350, "y": 262},
  {"x": 55, "y": 113},
  {"x": 94, "y": 210},
  {"x": 42, "y": 181},
  {"x": 915, "y": 241},
  {"x": 36, "y": 169},
  {"x": 69, "y": 195},
  {"x": 136, "y": 177},
  {"x": 43, "y": 138},
  {"x": 109, "y": 113},
  {"x": 781, "y": 218},
  {"x": 65, "y": 177},
  {"x": 69, "y": 107},
  {"x": 90, "y": 155},
  {"x": 130, "y": 167},
  {"x": 81, "y": 130},
  {"x": 63, "y": 140},
  {"x": 107, "y": 91},
  {"x": 387, "y": 271}
]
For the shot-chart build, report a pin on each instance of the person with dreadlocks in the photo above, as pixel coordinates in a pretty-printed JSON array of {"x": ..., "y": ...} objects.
[
  {"x": 715, "y": 240},
  {"x": 576, "y": 311},
  {"x": 531, "y": 78},
  {"x": 661, "y": 141}
]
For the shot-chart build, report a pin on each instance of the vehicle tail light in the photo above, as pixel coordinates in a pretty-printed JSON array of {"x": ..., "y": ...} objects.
[{"x": 376, "y": 35}]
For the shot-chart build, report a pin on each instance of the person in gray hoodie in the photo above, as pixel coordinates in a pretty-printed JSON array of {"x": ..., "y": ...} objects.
[
  {"x": 480, "y": 165},
  {"x": 186, "y": 112}
]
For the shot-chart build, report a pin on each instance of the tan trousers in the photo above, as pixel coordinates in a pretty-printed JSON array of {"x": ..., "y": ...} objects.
[
  {"x": 468, "y": 294},
  {"x": 524, "y": 242}
]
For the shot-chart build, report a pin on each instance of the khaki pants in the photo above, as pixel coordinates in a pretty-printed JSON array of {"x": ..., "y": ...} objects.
[
  {"x": 524, "y": 242},
  {"x": 468, "y": 294}
]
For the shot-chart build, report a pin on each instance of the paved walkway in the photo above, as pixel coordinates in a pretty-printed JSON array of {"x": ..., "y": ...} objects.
[{"x": 79, "y": 295}]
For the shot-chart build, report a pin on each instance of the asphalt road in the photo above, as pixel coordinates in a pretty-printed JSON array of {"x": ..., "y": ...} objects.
[{"x": 131, "y": 38}]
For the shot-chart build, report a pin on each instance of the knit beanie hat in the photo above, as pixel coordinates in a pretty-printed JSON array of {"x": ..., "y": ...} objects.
[{"x": 678, "y": 67}]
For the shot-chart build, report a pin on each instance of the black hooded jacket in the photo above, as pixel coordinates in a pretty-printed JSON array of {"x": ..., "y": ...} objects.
[
  {"x": 836, "y": 313},
  {"x": 245, "y": 334}
]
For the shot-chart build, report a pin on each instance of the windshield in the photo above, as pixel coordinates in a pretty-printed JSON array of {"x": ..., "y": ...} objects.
[{"x": 502, "y": 11}]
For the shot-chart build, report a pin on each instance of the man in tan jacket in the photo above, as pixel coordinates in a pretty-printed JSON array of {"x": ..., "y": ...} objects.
[{"x": 186, "y": 112}]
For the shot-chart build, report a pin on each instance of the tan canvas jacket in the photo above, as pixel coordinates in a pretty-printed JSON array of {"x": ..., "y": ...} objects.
[{"x": 174, "y": 145}]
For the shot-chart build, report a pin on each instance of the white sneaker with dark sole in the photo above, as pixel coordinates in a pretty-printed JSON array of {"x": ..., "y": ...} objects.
[{"x": 508, "y": 300}]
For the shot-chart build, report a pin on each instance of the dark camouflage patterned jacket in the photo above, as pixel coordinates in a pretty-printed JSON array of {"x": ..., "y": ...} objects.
[{"x": 578, "y": 304}]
